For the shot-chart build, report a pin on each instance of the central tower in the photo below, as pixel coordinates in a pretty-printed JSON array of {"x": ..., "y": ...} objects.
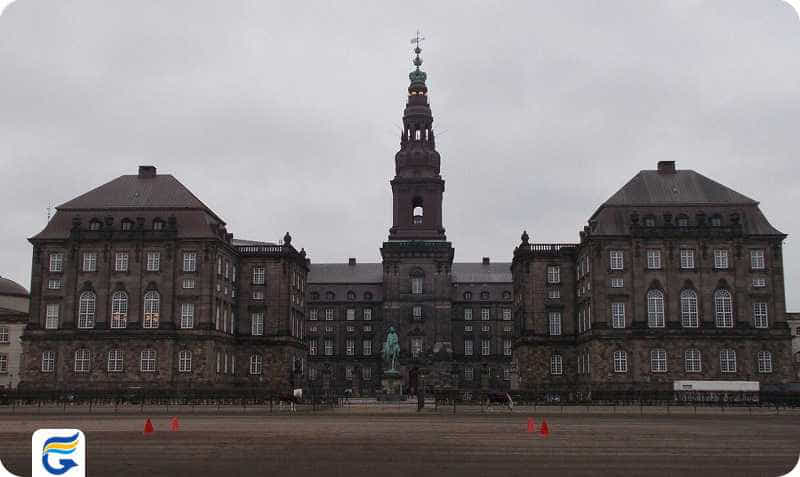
[
  {"x": 417, "y": 258},
  {"x": 417, "y": 187}
]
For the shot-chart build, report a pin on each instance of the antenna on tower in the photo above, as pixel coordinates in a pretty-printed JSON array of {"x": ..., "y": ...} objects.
[{"x": 49, "y": 209}]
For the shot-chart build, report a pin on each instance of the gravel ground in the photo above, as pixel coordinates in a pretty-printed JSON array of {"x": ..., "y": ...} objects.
[{"x": 350, "y": 443}]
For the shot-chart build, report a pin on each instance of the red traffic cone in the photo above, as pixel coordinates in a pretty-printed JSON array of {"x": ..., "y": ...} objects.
[
  {"x": 544, "y": 430},
  {"x": 531, "y": 425},
  {"x": 173, "y": 424},
  {"x": 148, "y": 427}
]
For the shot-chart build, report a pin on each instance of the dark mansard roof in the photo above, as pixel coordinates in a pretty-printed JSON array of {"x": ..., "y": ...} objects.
[
  {"x": 147, "y": 195},
  {"x": 482, "y": 273},
  {"x": 667, "y": 190},
  {"x": 373, "y": 273}
]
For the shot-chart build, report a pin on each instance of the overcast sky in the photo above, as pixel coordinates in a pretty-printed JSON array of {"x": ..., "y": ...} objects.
[{"x": 284, "y": 116}]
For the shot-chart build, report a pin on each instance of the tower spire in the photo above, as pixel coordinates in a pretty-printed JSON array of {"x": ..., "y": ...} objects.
[{"x": 417, "y": 186}]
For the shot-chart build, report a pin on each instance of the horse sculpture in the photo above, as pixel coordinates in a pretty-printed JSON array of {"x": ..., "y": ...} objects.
[{"x": 391, "y": 349}]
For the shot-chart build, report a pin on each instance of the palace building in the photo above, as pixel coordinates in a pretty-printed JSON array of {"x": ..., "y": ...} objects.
[{"x": 675, "y": 278}]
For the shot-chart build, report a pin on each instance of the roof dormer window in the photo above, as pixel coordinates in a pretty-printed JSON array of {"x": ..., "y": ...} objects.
[{"x": 158, "y": 224}]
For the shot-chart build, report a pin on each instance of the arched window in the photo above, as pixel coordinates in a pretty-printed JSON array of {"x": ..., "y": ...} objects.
[
  {"x": 655, "y": 309},
  {"x": 649, "y": 221},
  {"x": 315, "y": 295},
  {"x": 416, "y": 283},
  {"x": 127, "y": 224},
  {"x": 255, "y": 364},
  {"x": 467, "y": 296},
  {"x": 94, "y": 224},
  {"x": 417, "y": 212},
  {"x": 147, "y": 361},
  {"x": 683, "y": 221},
  {"x": 727, "y": 361},
  {"x": 152, "y": 309},
  {"x": 692, "y": 361},
  {"x": 367, "y": 296},
  {"x": 158, "y": 224},
  {"x": 119, "y": 310},
  {"x": 723, "y": 309},
  {"x": 115, "y": 361},
  {"x": 82, "y": 359},
  {"x": 351, "y": 295},
  {"x": 330, "y": 296},
  {"x": 764, "y": 362},
  {"x": 506, "y": 295},
  {"x": 716, "y": 221},
  {"x": 689, "y": 309},
  {"x": 556, "y": 365},
  {"x": 185, "y": 361},
  {"x": 86, "y": 309},
  {"x": 620, "y": 362}
]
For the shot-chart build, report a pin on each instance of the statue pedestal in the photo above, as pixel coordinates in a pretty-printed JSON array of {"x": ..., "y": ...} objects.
[{"x": 392, "y": 384}]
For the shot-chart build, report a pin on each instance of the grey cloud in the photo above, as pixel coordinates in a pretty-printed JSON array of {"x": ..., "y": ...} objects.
[{"x": 282, "y": 115}]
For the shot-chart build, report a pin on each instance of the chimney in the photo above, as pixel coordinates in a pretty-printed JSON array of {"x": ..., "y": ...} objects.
[
  {"x": 146, "y": 172},
  {"x": 351, "y": 261},
  {"x": 666, "y": 167},
  {"x": 486, "y": 260}
]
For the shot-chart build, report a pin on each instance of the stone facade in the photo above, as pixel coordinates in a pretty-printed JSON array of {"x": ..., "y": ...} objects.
[
  {"x": 670, "y": 284},
  {"x": 14, "y": 302},
  {"x": 137, "y": 284}
]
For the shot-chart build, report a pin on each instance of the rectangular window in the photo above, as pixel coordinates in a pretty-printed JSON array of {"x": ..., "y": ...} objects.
[
  {"x": 55, "y": 284},
  {"x": 312, "y": 314},
  {"x": 51, "y": 318},
  {"x": 366, "y": 347},
  {"x": 620, "y": 362},
  {"x": 416, "y": 312},
  {"x": 484, "y": 314},
  {"x": 556, "y": 365},
  {"x": 329, "y": 314},
  {"x": 227, "y": 270},
  {"x": 82, "y": 358},
  {"x": 485, "y": 347},
  {"x": 506, "y": 374},
  {"x": 615, "y": 259},
  {"x": 187, "y": 315},
  {"x": 507, "y": 347},
  {"x": 367, "y": 314},
  {"x": 554, "y": 320},
  {"x": 189, "y": 261},
  {"x": 687, "y": 259},
  {"x": 617, "y": 283},
  {"x": 416, "y": 286},
  {"x": 553, "y": 274},
  {"x": 367, "y": 328},
  {"x": 467, "y": 347},
  {"x": 507, "y": 329},
  {"x": 48, "y": 361},
  {"x": 757, "y": 259},
  {"x": 658, "y": 361},
  {"x": 153, "y": 261},
  {"x": 115, "y": 358},
  {"x": 366, "y": 374},
  {"x": 720, "y": 259},
  {"x": 56, "y": 262},
  {"x": 760, "y": 318},
  {"x": 258, "y": 275},
  {"x": 4, "y": 335},
  {"x": 350, "y": 347},
  {"x": 348, "y": 373},
  {"x": 416, "y": 347},
  {"x": 121, "y": 262},
  {"x": 554, "y": 293},
  {"x": 468, "y": 374},
  {"x": 764, "y": 362},
  {"x": 727, "y": 361},
  {"x": 692, "y": 359},
  {"x": 350, "y": 314},
  {"x": 258, "y": 294},
  {"x": 759, "y": 282},
  {"x": 328, "y": 347},
  {"x": 653, "y": 259},
  {"x": 90, "y": 262},
  {"x": 618, "y": 315},
  {"x": 312, "y": 347},
  {"x": 506, "y": 314},
  {"x": 257, "y": 324},
  {"x": 188, "y": 283},
  {"x": 467, "y": 314},
  {"x": 3, "y": 363}
]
